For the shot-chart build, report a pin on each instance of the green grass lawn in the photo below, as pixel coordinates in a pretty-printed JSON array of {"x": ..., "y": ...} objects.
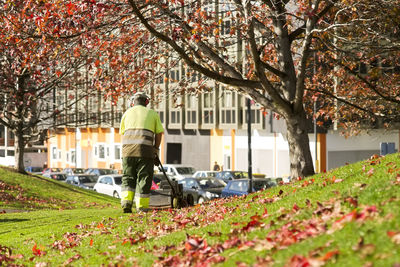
[{"x": 347, "y": 217}]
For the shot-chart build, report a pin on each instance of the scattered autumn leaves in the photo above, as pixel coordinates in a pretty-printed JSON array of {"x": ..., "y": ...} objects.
[
  {"x": 17, "y": 194},
  {"x": 275, "y": 231}
]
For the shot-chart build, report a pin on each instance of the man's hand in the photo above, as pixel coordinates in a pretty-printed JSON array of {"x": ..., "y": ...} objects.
[
  {"x": 157, "y": 161},
  {"x": 156, "y": 158}
]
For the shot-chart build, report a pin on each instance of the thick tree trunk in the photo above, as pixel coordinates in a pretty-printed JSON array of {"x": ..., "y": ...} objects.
[
  {"x": 301, "y": 163},
  {"x": 19, "y": 152}
]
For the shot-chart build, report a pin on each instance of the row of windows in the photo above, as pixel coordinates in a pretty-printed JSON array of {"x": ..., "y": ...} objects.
[
  {"x": 89, "y": 118},
  {"x": 101, "y": 152},
  {"x": 228, "y": 116},
  {"x": 10, "y": 153},
  {"x": 194, "y": 110},
  {"x": 175, "y": 75}
]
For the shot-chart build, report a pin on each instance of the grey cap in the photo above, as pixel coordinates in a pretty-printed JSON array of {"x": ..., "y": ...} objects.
[{"x": 140, "y": 95}]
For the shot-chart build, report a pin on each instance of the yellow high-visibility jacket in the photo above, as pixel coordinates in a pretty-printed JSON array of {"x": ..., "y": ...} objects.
[{"x": 138, "y": 127}]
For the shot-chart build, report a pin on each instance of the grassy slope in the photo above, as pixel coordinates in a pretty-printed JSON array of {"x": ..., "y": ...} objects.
[
  {"x": 347, "y": 217},
  {"x": 36, "y": 192}
]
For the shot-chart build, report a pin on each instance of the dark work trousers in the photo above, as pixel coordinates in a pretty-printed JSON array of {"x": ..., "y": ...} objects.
[{"x": 136, "y": 181}]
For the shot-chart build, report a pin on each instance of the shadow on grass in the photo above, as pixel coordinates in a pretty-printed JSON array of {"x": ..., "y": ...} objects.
[{"x": 13, "y": 220}]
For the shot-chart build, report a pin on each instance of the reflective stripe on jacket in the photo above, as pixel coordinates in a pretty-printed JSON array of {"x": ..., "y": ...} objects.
[{"x": 138, "y": 143}]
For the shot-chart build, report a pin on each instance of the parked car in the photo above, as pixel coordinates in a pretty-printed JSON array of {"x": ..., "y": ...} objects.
[
  {"x": 72, "y": 171},
  {"x": 59, "y": 176},
  {"x": 231, "y": 175},
  {"x": 86, "y": 181},
  {"x": 240, "y": 187},
  {"x": 109, "y": 184},
  {"x": 46, "y": 170},
  {"x": 179, "y": 172},
  {"x": 199, "y": 190},
  {"x": 100, "y": 171},
  {"x": 34, "y": 170},
  {"x": 159, "y": 177},
  {"x": 199, "y": 174}
]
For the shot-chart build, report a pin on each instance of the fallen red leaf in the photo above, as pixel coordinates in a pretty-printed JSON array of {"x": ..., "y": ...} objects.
[
  {"x": 37, "y": 252},
  {"x": 394, "y": 236},
  {"x": 265, "y": 214},
  {"x": 351, "y": 216},
  {"x": 193, "y": 243},
  {"x": 352, "y": 201},
  {"x": 329, "y": 255},
  {"x": 250, "y": 225},
  {"x": 295, "y": 207},
  {"x": 73, "y": 258}
]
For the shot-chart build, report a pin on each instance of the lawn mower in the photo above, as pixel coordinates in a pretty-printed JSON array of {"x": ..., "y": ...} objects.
[{"x": 177, "y": 199}]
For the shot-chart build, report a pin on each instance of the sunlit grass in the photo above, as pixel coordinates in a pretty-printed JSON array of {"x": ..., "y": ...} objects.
[{"x": 101, "y": 234}]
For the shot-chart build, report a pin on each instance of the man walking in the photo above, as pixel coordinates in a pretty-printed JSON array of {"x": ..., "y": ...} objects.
[
  {"x": 216, "y": 167},
  {"x": 141, "y": 131}
]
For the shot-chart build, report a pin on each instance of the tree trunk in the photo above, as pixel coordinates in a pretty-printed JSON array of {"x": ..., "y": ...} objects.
[
  {"x": 301, "y": 164},
  {"x": 19, "y": 152}
]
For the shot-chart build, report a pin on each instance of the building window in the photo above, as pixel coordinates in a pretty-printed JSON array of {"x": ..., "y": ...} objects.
[
  {"x": 54, "y": 153},
  {"x": 191, "y": 109},
  {"x": 71, "y": 118},
  {"x": 175, "y": 111},
  {"x": 208, "y": 108},
  {"x": 2, "y": 135},
  {"x": 161, "y": 115},
  {"x": 101, "y": 151},
  {"x": 175, "y": 75},
  {"x": 106, "y": 117},
  {"x": 73, "y": 157},
  {"x": 175, "y": 116},
  {"x": 160, "y": 108},
  {"x": 225, "y": 27},
  {"x": 82, "y": 117},
  {"x": 117, "y": 152},
  {"x": 228, "y": 107},
  {"x": 118, "y": 116},
  {"x": 2, "y": 153},
  {"x": 10, "y": 139},
  {"x": 10, "y": 153},
  {"x": 160, "y": 80},
  {"x": 255, "y": 112}
]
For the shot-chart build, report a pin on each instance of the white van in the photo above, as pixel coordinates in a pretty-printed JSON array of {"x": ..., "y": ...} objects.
[{"x": 179, "y": 172}]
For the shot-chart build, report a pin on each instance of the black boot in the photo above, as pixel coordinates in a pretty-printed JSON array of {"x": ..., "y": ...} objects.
[{"x": 127, "y": 210}]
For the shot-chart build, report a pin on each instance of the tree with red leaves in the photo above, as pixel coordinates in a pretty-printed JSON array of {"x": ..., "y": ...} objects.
[
  {"x": 275, "y": 52},
  {"x": 37, "y": 64}
]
